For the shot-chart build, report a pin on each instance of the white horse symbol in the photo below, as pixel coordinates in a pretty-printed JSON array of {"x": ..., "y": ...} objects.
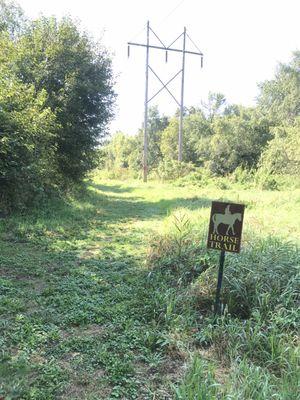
[{"x": 226, "y": 219}]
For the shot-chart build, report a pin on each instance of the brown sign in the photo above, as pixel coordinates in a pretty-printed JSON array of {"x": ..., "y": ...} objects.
[{"x": 225, "y": 226}]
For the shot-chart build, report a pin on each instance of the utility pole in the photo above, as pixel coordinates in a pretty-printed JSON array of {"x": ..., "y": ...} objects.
[
  {"x": 180, "y": 104},
  {"x": 181, "y": 99},
  {"x": 145, "y": 153}
]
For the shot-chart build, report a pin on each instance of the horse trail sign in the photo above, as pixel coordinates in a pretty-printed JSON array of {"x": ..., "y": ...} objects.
[
  {"x": 225, "y": 233},
  {"x": 225, "y": 228}
]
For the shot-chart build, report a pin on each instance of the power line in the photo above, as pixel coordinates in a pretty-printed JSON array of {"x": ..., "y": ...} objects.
[
  {"x": 162, "y": 21},
  {"x": 165, "y": 48},
  {"x": 171, "y": 12}
]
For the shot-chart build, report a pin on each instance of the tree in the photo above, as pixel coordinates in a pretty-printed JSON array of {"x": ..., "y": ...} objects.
[
  {"x": 238, "y": 140},
  {"x": 56, "y": 98},
  {"x": 282, "y": 155},
  {"x": 279, "y": 98},
  {"x": 76, "y": 73},
  {"x": 12, "y": 19},
  {"x": 122, "y": 152},
  {"x": 215, "y": 105},
  {"x": 197, "y": 133},
  {"x": 28, "y": 166},
  {"x": 156, "y": 124},
  {"x": 169, "y": 140}
]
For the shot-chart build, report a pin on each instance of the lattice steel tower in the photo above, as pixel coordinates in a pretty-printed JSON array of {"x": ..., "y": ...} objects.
[{"x": 184, "y": 35}]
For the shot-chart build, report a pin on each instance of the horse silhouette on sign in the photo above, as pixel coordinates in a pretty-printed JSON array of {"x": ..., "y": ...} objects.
[{"x": 226, "y": 219}]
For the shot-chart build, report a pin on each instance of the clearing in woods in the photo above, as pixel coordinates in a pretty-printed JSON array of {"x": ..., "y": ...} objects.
[{"x": 80, "y": 316}]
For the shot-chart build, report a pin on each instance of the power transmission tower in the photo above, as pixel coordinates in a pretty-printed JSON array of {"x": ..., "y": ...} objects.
[{"x": 148, "y": 46}]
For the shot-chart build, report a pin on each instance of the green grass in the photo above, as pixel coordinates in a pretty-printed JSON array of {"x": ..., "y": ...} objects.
[{"x": 98, "y": 300}]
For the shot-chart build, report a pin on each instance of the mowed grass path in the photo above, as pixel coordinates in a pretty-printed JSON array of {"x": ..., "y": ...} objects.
[{"x": 78, "y": 320}]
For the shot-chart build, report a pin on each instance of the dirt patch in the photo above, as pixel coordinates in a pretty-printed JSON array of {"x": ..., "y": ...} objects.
[
  {"x": 83, "y": 331},
  {"x": 93, "y": 330},
  {"x": 159, "y": 378},
  {"x": 90, "y": 252},
  {"x": 83, "y": 385},
  {"x": 67, "y": 359},
  {"x": 37, "y": 359},
  {"x": 38, "y": 285},
  {"x": 222, "y": 370},
  {"x": 5, "y": 273}
]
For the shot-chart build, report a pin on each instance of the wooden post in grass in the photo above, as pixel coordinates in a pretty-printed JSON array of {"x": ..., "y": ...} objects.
[{"x": 224, "y": 234}]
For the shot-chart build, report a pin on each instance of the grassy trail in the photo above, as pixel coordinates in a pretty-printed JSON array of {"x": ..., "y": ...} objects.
[
  {"x": 78, "y": 317},
  {"x": 74, "y": 324}
]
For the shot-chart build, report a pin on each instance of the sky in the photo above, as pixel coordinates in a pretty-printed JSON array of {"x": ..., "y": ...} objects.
[{"x": 242, "y": 41}]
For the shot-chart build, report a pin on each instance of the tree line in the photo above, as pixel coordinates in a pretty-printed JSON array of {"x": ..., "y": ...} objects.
[
  {"x": 56, "y": 98},
  {"x": 221, "y": 137}
]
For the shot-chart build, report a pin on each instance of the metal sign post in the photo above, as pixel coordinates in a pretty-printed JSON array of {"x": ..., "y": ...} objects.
[
  {"x": 219, "y": 283},
  {"x": 225, "y": 233}
]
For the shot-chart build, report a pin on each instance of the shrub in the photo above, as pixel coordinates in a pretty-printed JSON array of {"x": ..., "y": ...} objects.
[
  {"x": 282, "y": 155},
  {"x": 28, "y": 168},
  {"x": 178, "y": 254},
  {"x": 171, "y": 169},
  {"x": 56, "y": 98},
  {"x": 264, "y": 180},
  {"x": 243, "y": 176},
  {"x": 263, "y": 278},
  {"x": 200, "y": 177}
]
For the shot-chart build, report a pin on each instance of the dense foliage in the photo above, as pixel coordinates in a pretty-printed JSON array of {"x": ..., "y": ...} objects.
[
  {"x": 222, "y": 137},
  {"x": 27, "y": 152},
  {"x": 56, "y": 98}
]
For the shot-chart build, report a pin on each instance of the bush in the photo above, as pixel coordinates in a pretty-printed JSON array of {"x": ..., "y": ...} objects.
[
  {"x": 120, "y": 173},
  {"x": 56, "y": 98},
  {"x": 200, "y": 177},
  {"x": 28, "y": 168},
  {"x": 264, "y": 180},
  {"x": 271, "y": 282},
  {"x": 243, "y": 176},
  {"x": 178, "y": 254},
  {"x": 171, "y": 169},
  {"x": 282, "y": 155}
]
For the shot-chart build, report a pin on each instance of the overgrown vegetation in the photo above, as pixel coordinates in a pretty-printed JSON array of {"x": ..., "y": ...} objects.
[
  {"x": 220, "y": 137},
  {"x": 110, "y": 296},
  {"x": 56, "y": 98},
  {"x": 255, "y": 343}
]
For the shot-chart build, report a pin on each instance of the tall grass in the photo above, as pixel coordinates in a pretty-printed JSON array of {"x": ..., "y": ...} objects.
[
  {"x": 200, "y": 382},
  {"x": 256, "y": 338},
  {"x": 74, "y": 282}
]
